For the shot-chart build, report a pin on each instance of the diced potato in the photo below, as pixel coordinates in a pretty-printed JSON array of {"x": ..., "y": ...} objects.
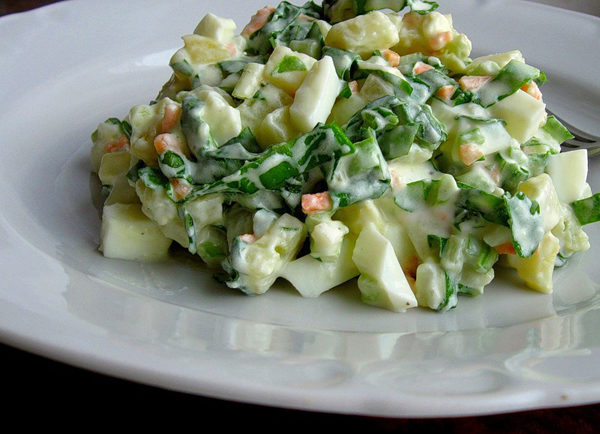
[
  {"x": 146, "y": 122},
  {"x": 105, "y": 133},
  {"x": 403, "y": 173},
  {"x": 250, "y": 81},
  {"x": 536, "y": 271},
  {"x": 363, "y": 34},
  {"x": 112, "y": 165},
  {"x": 375, "y": 87},
  {"x": 476, "y": 281},
  {"x": 570, "y": 232},
  {"x": 286, "y": 68},
  {"x": 206, "y": 210},
  {"x": 324, "y": 275},
  {"x": 202, "y": 49},
  {"x": 357, "y": 216},
  {"x": 175, "y": 230},
  {"x": 435, "y": 24},
  {"x": 326, "y": 240},
  {"x": 492, "y": 63},
  {"x": 523, "y": 114},
  {"x": 259, "y": 262},
  {"x": 344, "y": 109},
  {"x": 430, "y": 286},
  {"x": 122, "y": 192},
  {"x": 324, "y": 27},
  {"x": 128, "y": 234},
  {"x": 220, "y": 29},
  {"x": 382, "y": 282},
  {"x": 156, "y": 204},
  {"x": 276, "y": 127},
  {"x": 568, "y": 171},
  {"x": 224, "y": 120},
  {"x": 268, "y": 98},
  {"x": 316, "y": 96},
  {"x": 541, "y": 189}
]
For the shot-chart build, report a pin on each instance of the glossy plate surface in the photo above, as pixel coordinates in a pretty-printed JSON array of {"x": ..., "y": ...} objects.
[{"x": 68, "y": 66}]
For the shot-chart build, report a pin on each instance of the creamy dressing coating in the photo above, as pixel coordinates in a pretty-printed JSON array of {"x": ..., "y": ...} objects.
[{"x": 461, "y": 198}]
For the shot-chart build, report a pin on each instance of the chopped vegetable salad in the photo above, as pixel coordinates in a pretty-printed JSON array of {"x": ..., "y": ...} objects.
[{"x": 347, "y": 140}]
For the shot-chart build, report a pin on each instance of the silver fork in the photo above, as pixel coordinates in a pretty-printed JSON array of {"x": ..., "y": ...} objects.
[{"x": 581, "y": 139}]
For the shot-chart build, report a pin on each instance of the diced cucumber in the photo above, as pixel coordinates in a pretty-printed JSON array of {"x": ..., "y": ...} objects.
[
  {"x": 211, "y": 245},
  {"x": 323, "y": 275},
  {"x": 316, "y": 96},
  {"x": 568, "y": 171},
  {"x": 128, "y": 234},
  {"x": 382, "y": 282},
  {"x": 587, "y": 210}
]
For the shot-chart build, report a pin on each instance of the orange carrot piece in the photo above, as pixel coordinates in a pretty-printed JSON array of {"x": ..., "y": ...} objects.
[
  {"x": 410, "y": 266},
  {"x": 248, "y": 238},
  {"x": 118, "y": 145},
  {"x": 167, "y": 142},
  {"x": 180, "y": 187},
  {"x": 445, "y": 92},
  {"x": 421, "y": 67},
  {"x": 440, "y": 40},
  {"x": 170, "y": 118},
  {"x": 312, "y": 203},
  {"x": 258, "y": 20},
  {"x": 473, "y": 82},
  {"x": 391, "y": 56},
  {"x": 532, "y": 89},
  {"x": 469, "y": 153},
  {"x": 506, "y": 249},
  {"x": 231, "y": 48}
]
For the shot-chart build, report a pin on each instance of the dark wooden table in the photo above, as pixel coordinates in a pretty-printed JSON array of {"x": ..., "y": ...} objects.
[{"x": 55, "y": 394}]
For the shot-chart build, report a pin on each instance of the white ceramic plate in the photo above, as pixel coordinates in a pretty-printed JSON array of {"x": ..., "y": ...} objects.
[{"x": 67, "y": 67}]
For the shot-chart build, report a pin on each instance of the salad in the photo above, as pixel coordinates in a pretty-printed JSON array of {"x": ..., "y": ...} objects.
[{"x": 347, "y": 140}]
